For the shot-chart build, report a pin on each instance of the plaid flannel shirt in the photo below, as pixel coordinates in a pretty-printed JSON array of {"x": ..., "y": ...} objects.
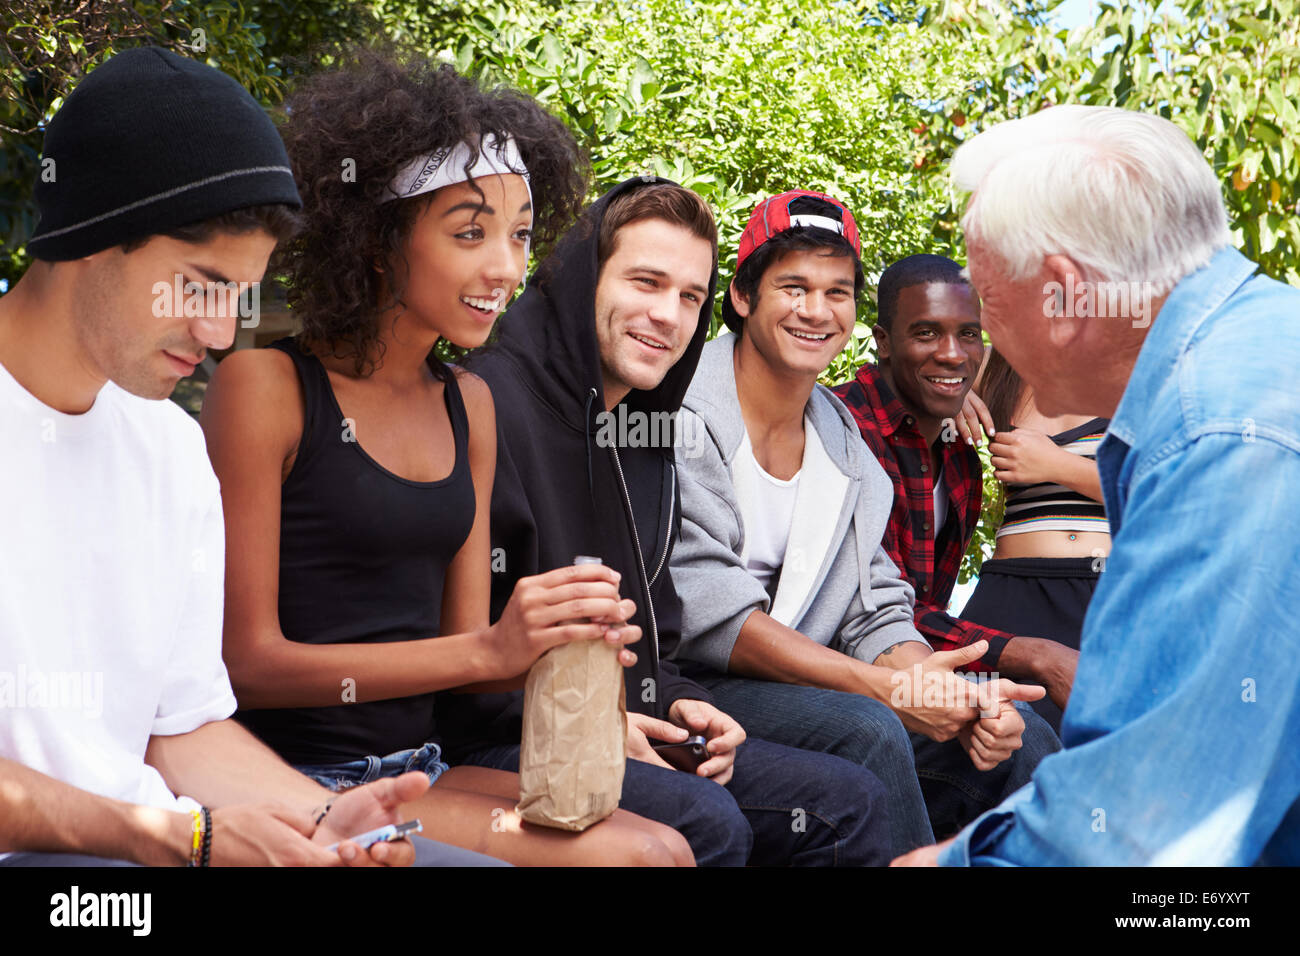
[{"x": 929, "y": 565}]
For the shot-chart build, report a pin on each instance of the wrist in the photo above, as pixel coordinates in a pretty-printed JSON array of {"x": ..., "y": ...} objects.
[
  {"x": 149, "y": 836},
  {"x": 1020, "y": 659},
  {"x": 171, "y": 840},
  {"x": 877, "y": 682},
  {"x": 1076, "y": 469},
  {"x": 486, "y": 660}
]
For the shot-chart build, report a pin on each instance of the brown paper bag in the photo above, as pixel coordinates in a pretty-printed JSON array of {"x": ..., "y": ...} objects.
[{"x": 574, "y": 746}]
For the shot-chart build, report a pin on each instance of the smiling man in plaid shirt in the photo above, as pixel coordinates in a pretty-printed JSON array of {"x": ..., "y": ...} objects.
[{"x": 928, "y": 339}]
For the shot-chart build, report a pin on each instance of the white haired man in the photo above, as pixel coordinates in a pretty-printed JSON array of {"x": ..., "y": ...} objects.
[{"x": 1099, "y": 245}]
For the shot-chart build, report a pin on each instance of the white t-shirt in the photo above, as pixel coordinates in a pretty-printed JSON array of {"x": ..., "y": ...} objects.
[
  {"x": 940, "y": 503},
  {"x": 111, "y": 573},
  {"x": 767, "y": 526}
]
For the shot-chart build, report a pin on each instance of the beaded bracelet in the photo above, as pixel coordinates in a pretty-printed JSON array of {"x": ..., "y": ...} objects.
[{"x": 205, "y": 858}]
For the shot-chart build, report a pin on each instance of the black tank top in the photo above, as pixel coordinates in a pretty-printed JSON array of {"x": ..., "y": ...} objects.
[{"x": 363, "y": 555}]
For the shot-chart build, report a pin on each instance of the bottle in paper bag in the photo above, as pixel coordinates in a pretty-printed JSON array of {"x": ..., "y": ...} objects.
[{"x": 574, "y": 746}]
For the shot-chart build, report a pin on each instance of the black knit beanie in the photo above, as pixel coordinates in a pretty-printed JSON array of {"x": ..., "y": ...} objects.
[{"x": 150, "y": 141}]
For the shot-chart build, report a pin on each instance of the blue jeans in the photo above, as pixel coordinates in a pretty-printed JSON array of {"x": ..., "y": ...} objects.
[
  {"x": 61, "y": 859},
  {"x": 353, "y": 773},
  {"x": 427, "y": 853},
  {"x": 782, "y": 807},
  {"x": 932, "y": 788}
]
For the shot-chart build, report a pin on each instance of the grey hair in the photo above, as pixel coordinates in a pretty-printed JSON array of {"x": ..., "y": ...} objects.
[{"x": 1126, "y": 195}]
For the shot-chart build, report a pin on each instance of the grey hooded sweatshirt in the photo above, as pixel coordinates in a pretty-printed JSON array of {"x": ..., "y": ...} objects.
[{"x": 838, "y": 587}]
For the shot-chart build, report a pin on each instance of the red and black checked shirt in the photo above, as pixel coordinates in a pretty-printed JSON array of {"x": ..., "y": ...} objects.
[{"x": 930, "y": 566}]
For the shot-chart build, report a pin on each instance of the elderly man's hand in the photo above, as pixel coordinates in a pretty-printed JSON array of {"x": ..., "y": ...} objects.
[{"x": 923, "y": 856}]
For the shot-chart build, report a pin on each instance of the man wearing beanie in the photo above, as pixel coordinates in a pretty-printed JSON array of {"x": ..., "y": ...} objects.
[
  {"x": 793, "y": 616},
  {"x": 160, "y": 173}
]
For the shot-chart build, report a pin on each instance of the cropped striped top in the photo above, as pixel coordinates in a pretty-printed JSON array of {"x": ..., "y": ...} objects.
[{"x": 1047, "y": 506}]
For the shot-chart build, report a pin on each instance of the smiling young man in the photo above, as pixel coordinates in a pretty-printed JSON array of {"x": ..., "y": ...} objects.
[
  {"x": 112, "y": 554},
  {"x": 609, "y": 331},
  {"x": 795, "y": 618},
  {"x": 930, "y": 348}
]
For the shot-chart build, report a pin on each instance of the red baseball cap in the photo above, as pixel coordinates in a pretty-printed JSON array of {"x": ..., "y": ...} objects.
[
  {"x": 798, "y": 207},
  {"x": 790, "y": 210}
]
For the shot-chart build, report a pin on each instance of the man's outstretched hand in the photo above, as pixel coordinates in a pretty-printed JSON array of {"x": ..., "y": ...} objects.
[
  {"x": 366, "y": 808},
  {"x": 274, "y": 834}
]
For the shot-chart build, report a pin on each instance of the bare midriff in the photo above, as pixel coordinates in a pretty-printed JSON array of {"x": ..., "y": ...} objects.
[{"x": 1052, "y": 544}]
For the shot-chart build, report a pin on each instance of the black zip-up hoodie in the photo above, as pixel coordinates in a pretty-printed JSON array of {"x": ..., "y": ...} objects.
[{"x": 559, "y": 493}]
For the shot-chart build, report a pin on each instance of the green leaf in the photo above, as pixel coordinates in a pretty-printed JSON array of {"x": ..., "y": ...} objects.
[
  {"x": 1276, "y": 98},
  {"x": 613, "y": 116},
  {"x": 643, "y": 76},
  {"x": 1267, "y": 233},
  {"x": 1203, "y": 99},
  {"x": 1263, "y": 131},
  {"x": 1258, "y": 27},
  {"x": 465, "y": 56},
  {"x": 552, "y": 55}
]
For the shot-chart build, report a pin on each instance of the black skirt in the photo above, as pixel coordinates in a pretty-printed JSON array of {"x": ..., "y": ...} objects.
[{"x": 1035, "y": 597}]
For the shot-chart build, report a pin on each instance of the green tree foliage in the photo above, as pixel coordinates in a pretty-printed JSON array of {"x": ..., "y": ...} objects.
[
  {"x": 866, "y": 100},
  {"x": 1226, "y": 71},
  {"x": 736, "y": 102},
  {"x": 47, "y": 46}
]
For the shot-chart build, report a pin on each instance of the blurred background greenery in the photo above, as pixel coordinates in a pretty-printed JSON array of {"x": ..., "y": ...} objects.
[{"x": 739, "y": 100}]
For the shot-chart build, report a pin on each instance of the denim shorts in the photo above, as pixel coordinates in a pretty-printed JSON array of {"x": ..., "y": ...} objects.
[{"x": 341, "y": 776}]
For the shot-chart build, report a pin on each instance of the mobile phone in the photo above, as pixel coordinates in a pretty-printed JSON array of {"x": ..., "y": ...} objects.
[
  {"x": 687, "y": 755},
  {"x": 394, "y": 831}
]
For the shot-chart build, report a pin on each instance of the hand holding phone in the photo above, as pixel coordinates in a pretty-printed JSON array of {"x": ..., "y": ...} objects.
[
  {"x": 394, "y": 831},
  {"x": 687, "y": 755}
]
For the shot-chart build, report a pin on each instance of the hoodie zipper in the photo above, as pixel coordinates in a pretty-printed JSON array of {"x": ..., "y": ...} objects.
[
  {"x": 668, "y": 535},
  {"x": 640, "y": 563}
]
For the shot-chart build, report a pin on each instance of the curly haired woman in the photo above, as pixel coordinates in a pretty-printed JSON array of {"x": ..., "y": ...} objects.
[{"x": 357, "y": 468}]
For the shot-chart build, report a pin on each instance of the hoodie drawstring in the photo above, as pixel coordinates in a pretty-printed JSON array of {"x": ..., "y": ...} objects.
[{"x": 586, "y": 429}]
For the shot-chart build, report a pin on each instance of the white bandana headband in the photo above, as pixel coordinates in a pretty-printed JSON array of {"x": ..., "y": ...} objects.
[{"x": 446, "y": 167}]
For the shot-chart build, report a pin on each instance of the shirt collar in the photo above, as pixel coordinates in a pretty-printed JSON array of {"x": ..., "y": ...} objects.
[
  {"x": 891, "y": 414},
  {"x": 1192, "y": 299}
]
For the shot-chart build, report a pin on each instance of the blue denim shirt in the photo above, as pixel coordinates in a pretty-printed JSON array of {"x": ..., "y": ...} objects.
[{"x": 1182, "y": 736}]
